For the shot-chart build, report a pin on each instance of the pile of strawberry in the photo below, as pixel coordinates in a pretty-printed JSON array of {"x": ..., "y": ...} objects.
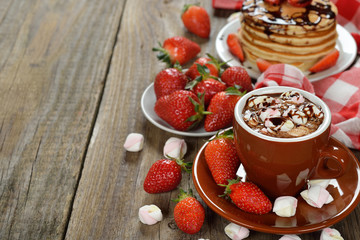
[{"x": 203, "y": 92}]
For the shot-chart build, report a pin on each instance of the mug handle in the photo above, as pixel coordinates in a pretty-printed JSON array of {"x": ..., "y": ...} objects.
[{"x": 333, "y": 162}]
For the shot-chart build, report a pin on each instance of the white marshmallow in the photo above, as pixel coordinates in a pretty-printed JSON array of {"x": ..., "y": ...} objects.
[
  {"x": 268, "y": 113},
  {"x": 316, "y": 196},
  {"x": 285, "y": 206},
  {"x": 287, "y": 126},
  {"x": 330, "y": 234},
  {"x": 321, "y": 182},
  {"x": 150, "y": 214},
  {"x": 134, "y": 142},
  {"x": 236, "y": 232},
  {"x": 175, "y": 148},
  {"x": 290, "y": 237}
]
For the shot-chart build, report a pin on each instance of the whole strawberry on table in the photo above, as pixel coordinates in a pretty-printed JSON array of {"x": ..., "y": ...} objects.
[{"x": 189, "y": 214}]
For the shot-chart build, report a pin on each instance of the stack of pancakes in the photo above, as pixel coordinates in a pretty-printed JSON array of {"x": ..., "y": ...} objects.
[{"x": 299, "y": 36}]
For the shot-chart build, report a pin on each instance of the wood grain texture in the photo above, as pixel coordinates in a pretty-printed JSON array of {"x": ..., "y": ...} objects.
[
  {"x": 71, "y": 77},
  {"x": 110, "y": 190},
  {"x": 53, "y": 63}
]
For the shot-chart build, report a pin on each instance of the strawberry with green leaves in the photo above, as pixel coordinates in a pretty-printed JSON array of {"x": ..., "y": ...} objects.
[
  {"x": 235, "y": 47},
  {"x": 236, "y": 75},
  {"x": 248, "y": 197},
  {"x": 169, "y": 80},
  {"x": 326, "y": 62},
  {"x": 210, "y": 62},
  {"x": 196, "y": 20},
  {"x": 221, "y": 157},
  {"x": 165, "y": 175},
  {"x": 205, "y": 84},
  {"x": 177, "y": 49},
  {"x": 222, "y": 109},
  {"x": 189, "y": 214},
  {"x": 182, "y": 109}
]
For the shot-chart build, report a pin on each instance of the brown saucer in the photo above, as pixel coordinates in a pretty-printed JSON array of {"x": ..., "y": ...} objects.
[{"x": 345, "y": 191}]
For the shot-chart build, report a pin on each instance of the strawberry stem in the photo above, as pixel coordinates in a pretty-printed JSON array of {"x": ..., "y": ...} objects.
[
  {"x": 163, "y": 55},
  {"x": 200, "y": 112},
  {"x": 182, "y": 195},
  {"x": 227, "y": 190},
  {"x": 235, "y": 91}
]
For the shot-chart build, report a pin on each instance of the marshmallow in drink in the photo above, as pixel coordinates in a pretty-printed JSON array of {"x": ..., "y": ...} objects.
[
  {"x": 285, "y": 206},
  {"x": 175, "y": 148},
  {"x": 316, "y": 196},
  {"x": 150, "y": 214},
  {"x": 236, "y": 232},
  {"x": 134, "y": 142},
  {"x": 330, "y": 234},
  {"x": 290, "y": 237}
]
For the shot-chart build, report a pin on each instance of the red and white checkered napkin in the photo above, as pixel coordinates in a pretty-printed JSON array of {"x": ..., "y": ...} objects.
[{"x": 341, "y": 92}]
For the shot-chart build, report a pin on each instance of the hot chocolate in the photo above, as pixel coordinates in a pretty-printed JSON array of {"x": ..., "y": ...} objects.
[{"x": 285, "y": 115}]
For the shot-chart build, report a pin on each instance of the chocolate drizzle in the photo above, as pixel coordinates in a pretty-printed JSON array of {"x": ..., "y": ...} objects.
[{"x": 269, "y": 15}]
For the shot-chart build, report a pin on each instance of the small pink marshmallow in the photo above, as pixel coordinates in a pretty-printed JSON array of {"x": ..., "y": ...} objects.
[
  {"x": 316, "y": 196},
  {"x": 285, "y": 206},
  {"x": 134, "y": 142},
  {"x": 150, "y": 214},
  {"x": 175, "y": 148},
  {"x": 290, "y": 237},
  {"x": 330, "y": 234},
  {"x": 236, "y": 232}
]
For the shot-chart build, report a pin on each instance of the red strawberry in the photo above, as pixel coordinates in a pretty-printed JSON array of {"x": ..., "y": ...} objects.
[
  {"x": 169, "y": 80},
  {"x": 177, "y": 49},
  {"x": 192, "y": 72},
  {"x": 237, "y": 76},
  {"x": 196, "y": 20},
  {"x": 299, "y": 3},
  {"x": 262, "y": 64},
  {"x": 164, "y": 175},
  {"x": 205, "y": 84},
  {"x": 210, "y": 87},
  {"x": 222, "y": 109},
  {"x": 235, "y": 46},
  {"x": 326, "y": 62},
  {"x": 189, "y": 214},
  {"x": 273, "y": 2},
  {"x": 181, "y": 109},
  {"x": 221, "y": 157},
  {"x": 356, "y": 36},
  {"x": 248, "y": 197}
]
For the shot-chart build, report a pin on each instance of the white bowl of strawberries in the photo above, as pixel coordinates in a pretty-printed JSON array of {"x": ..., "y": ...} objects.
[{"x": 198, "y": 101}]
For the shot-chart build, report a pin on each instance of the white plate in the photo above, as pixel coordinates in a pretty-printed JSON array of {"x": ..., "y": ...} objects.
[
  {"x": 148, "y": 100},
  {"x": 345, "y": 44}
]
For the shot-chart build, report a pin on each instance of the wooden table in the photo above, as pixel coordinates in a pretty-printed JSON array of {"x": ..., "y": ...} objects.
[{"x": 71, "y": 77}]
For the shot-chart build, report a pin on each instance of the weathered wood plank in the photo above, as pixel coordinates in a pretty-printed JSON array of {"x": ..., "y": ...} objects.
[
  {"x": 53, "y": 63},
  {"x": 110, "y": 191}
]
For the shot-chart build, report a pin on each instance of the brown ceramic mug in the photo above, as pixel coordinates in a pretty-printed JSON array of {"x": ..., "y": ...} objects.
[{"x": 282, "y": 166}]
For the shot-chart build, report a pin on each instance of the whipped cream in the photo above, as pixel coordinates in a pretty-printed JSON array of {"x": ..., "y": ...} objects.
[{"x": 289, "y": 114}]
